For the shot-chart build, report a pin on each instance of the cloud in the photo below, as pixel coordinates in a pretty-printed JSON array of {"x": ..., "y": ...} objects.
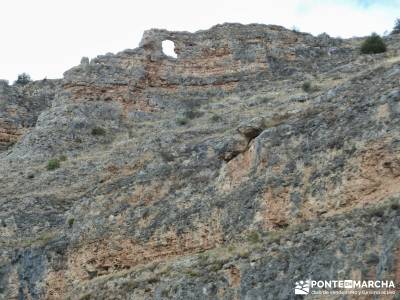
[
  {"x": 369, "y": 3},
  {"x": 346, "y": 18}
]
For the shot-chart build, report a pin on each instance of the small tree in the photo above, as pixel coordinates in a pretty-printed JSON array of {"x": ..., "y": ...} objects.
[
  {"x": 396, "y": 28},
  {"x": 23, "y": 79},
  {"x": 373, "y": 44},
  {"x": 295, "y": 29}
]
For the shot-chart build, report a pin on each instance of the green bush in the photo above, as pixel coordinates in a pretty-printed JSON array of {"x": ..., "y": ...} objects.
[
  {"x": 215, "y": 118},
  {"x": 53, "y": 164},
  {"x": 182, "y": 121},
  {"x": 192, "y": 273},
  {"x": 216, "y": 266},
  {"x": 23, "y": 79},
  {"x": 396, "y": 28},
  {"x": 71, "y": 222},
  {"x": 373, "y": 44},
  {"x": 98, "y": 131},
  {"x": 253, "y": 237},
  {"x": 307, "y": 87}
]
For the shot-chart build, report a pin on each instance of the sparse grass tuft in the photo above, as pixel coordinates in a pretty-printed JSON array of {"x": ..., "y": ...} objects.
[
  {"x": 253, "y": 237},
  {"x": 85, "y": 297},
  {"x": 165, "y": 270},
  {"x": 165, "y": 293},
  {"x": 53, "y": 164},
  {"x": 215, "y": 118},
  {"x": 244, "y": 253},
  {"x": 203, "y": 259},
  {"x": 192, "y": 273},
  {"x": 216, "y": 266},
  {"x": 231, "y": 248}
]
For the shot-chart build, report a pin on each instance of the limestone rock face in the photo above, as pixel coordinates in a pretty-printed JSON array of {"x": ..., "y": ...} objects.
[
  {"x": 20, "y": 107},
  {"x": 214, "y": 175}
]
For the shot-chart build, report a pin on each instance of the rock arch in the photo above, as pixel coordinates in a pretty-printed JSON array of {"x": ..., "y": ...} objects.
[{"x": 168, "y": 48}]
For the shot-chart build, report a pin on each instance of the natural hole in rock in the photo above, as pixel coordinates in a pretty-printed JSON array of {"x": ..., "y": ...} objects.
[{"x": 168, "y": 48}]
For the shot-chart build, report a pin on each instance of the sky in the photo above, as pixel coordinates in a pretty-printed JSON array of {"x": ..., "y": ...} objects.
[{"x": 44, "y": 38}]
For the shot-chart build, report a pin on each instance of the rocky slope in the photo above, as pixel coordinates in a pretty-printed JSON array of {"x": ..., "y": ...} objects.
[{"x": 211, "y": 176}]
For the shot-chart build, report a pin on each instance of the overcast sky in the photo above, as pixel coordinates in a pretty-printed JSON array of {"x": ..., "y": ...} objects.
[{"x": 46, "y": 37}]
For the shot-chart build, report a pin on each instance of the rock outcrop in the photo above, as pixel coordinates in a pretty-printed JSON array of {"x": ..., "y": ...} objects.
[
  {"x": 20, "y": 106},
  {"x": 214, "y": 175}
]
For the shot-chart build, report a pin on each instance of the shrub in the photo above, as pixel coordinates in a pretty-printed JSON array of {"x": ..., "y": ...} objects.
[
  {"x": 192, "y": 114},
  {"x": 307, "y": 87},
  {"x": 182, "y": 121},
  {"x": 215, "y": 118},
  {"x": 396, "y": 28},
  {"x": 166, "y": 156},
  {"x": 98, "y": 131},
  {"x": 373, "y": 44},
  {"x": 53, "y": 164},
  {"x": 23, "y": 79},
  {"x": 295, "y": 29},
  {"x": 71, "y": 222},
  {"x": 203, "y": 259},
  {"x": 216, "y": 266},
  {"x": 265, "y": 99},
  {"x": 395, "y": 206},
  {"x": 253, "y": 237},
  {"x": 152, "y": 280},
  {"x": 165, "y": 293}
]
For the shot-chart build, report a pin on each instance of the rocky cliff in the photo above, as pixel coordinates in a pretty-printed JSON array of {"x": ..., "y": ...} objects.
[{"x": 259, "y": 157}]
